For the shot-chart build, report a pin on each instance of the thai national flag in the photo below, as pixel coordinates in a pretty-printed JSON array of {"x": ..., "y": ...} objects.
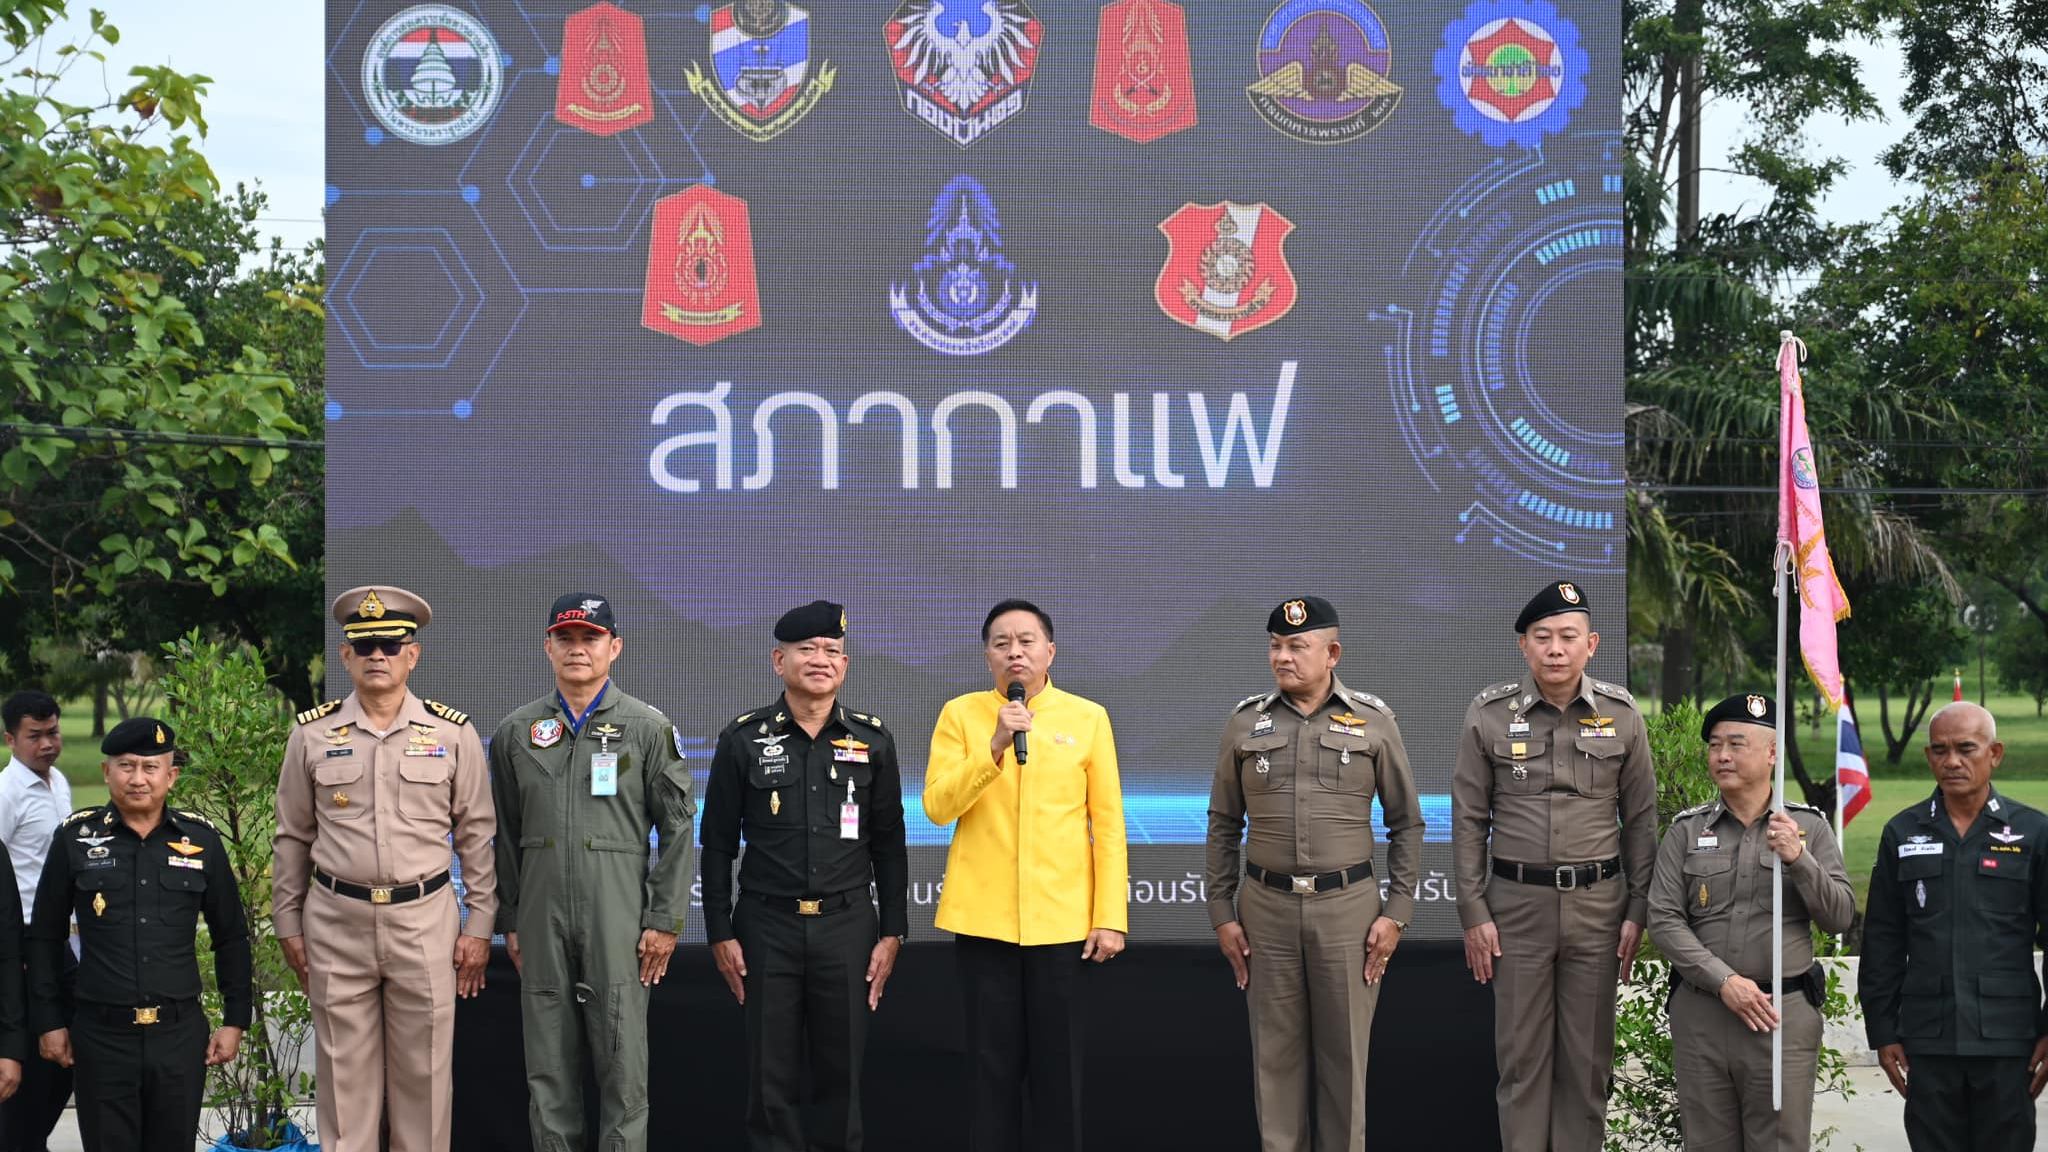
[{"x": 1852, "y": 774}]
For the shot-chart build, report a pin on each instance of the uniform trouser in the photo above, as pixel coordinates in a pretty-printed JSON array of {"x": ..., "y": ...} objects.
[
  {"x": 139, "y": 1085},
  {"x": 382, "y": 986},
  {"x": 1311, "y": 1013},
  {"x": 1724, "y": 1075},
  {"x": 28, "y": 1117},
  {"x": 580, "y": 995},
  {"x": 1024, "y": 1013},
  {"x": 1968, "y": 1104},
  {"x": 807, "y": 998},
  {"x": 1553, "y": 1011}
]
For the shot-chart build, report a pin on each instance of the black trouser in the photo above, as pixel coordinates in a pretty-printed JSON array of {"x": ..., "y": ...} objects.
[
  {"x": 28, "y": 1117},
  {"x": 807, "y": 996},
  {"x": 139, "y": 1085},
  {"x": 1968, "y": 1104},
  {"x": 1023, "y": 1037}
]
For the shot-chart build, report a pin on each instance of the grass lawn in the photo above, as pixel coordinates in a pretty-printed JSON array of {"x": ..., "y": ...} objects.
[{"x": 2025, "y": 737}]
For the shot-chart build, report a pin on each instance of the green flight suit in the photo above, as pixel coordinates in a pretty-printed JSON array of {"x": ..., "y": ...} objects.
[{"x": 574, "y": 882}]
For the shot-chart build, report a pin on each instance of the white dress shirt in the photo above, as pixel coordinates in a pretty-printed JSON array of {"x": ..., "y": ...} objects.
[{"x": 31, "y": 808}]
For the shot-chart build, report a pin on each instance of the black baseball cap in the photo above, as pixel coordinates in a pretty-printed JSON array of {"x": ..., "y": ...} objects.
[{"x": 582, "y": 610}]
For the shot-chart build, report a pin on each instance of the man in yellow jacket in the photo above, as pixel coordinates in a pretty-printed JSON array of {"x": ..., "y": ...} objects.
[{"x": 1037, "y": 866}]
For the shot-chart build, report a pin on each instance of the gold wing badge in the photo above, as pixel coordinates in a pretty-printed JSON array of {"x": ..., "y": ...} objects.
[{"x": 1290, "y": 83}]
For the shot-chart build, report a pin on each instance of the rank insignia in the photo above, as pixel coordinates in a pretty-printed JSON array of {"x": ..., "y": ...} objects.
[
  {"x": 963, "y": 298},
  {"x": 1144, "y": 85},
  {"x": 1511, "y": 71},
  {"x": 99, "y": 903},
  {"x": 602, "y": 85},
  {"x": 850, "y": 750},
  {"x": 964, "y": 67},
  {"x": 545, "y": 733},
  {"x": 700, "y": 268},
  {"x": 761, "y": 80},
  {"x": 1324, "y": 71},
  {"x": 1225, "y": 273},
  {"x": 188, "y": 848}
]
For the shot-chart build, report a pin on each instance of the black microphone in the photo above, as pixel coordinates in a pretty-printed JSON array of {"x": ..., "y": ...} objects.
[{"x": 1017, "y": 738}]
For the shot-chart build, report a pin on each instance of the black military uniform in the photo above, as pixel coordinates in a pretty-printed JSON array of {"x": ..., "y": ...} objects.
[
  {"x": 807, "y": 925},
  {"x": 138, "y": 1033},
  {"x": 16, "y": 1042},
  {"x": 1948, "y": 969}
]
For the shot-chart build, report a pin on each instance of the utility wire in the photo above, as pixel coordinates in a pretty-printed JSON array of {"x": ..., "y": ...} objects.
[{"x": 59, "y": 432}]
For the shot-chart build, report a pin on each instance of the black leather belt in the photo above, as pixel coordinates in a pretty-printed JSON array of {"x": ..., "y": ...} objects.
[
  {"x": 396, "y": 894},
  {"x": 1309, "y": 885},
  {"x": 128, "y": 1015},
  {"x": 1563, "y": 877},
  {"x": 1791, "y": 984},
  {"x": 809, "y": 906}
]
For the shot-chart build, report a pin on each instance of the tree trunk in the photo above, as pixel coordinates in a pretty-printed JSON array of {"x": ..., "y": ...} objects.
[
  {"x": 1677, "y": 677},
  {"x": 99, "y": 708},
  {"x": 1819, "y": 793}
]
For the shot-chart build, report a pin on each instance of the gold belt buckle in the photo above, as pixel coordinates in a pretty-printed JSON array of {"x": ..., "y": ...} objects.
[
  {"x": 1304, "y": 885},
  {"x": 810, "y": 907},
  {"x": 145, "y": 1015},
  {"x": 380, "y": 895}
]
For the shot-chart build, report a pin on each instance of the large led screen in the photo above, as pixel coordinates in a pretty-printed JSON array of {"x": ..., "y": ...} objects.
[{"x": 1155, "y": 314}]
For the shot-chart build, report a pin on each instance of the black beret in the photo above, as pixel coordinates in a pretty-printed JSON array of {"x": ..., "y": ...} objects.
[
  {"x": 1555, "y": 599},
  {"x": 1745, "y": 707},
  {"x": 582, "y": 610},
  {"x": 1302, "y": 614},
  {"x": 819, "y": 618},
  {"x": 138, "y": 735}
]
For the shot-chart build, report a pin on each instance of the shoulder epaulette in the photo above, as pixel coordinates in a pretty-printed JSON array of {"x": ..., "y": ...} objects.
[
  {"x": 1369, "y": 700},
  {"x": 1498, "y": 691},
  {"x": 866, "y": 718},
  {"x": 743, "y": 717},
  {"x": 75, "y": 817},
  {"x": 1250, "y": 700},
  {"x": 316, "y": 712},
  {"x": 451, "y": 715},
  {"x": 1805, "y": 807},
  {"x": 1695, "y": 809},
  {"x": 1614, "y": 690},
  {"x": 196, "y": 818}
]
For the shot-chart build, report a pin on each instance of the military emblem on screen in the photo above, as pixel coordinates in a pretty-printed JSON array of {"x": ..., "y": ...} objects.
[
  {"x": 1225, "y": 272},
  {"x": 700, "y": 268},
  {"x": 1144, "y": 84},
  {"x": 761, "y": 81},
  {"x": 1511, "y": 71},
  {"x": 964, "y": 67},
  {"x": 1325, "y": 71},
  {"x": 602, "y": 84},
  {"x": 963, "y": 298},
  {"x": 432, "y": 74}
]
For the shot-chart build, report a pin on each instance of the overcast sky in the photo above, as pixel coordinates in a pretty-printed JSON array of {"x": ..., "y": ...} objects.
[{"x": 266, "y": 117}]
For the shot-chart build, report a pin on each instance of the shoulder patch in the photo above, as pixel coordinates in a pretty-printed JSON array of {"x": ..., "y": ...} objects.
[
  {"x": 1499, "y": 691},
  {"x": 75, "y": 817},
  {"x": 1250, "y": 700},
  {"x": 1619, "y": 693},
  {"x": 315, "y": 713},
  {"x": 451, "y": 715}
]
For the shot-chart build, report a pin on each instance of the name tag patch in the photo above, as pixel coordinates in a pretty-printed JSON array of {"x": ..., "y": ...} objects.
[
  {"x": 1706, "y": 843},
  {"x": 333, "y": 752},
  {"x": 1930, "y": 849}
]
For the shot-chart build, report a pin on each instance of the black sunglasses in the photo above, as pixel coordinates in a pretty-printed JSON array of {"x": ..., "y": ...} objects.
[{"x": 387, "y": 647}]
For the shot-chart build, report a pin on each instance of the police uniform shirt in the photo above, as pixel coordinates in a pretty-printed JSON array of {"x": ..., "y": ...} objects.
[
  {"x": 138, "y": 901},
  {"x": 1948, "y": 964},
  {"x": 1546, "y": 784},
  {"x": 1710, "y": 897},
  {"x": 784, "y": 789},
  {"x": 1304, "y": 785}
]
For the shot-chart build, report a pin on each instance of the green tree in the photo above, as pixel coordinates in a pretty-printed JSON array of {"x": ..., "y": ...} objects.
[
  {"x": 1975, "y": 91},
  {"x": 92, "y": 337},
  {"x": 1905, "y": 644},
  {"x": 2022, "y": 658}
]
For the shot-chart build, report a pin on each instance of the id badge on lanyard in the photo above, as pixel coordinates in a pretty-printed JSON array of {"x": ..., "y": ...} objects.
[
  {"x": 849, "y": 816},
  {"x": 604, "y": 773}
]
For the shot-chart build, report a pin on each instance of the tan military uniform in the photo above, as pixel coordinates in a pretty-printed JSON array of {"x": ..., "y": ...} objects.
[
  {"x": 1305, "y": 786},
  {"x": 376, "y": 809},
  {"x": 1544, "y": 788},
  {"x": 1710, "y": 914}
]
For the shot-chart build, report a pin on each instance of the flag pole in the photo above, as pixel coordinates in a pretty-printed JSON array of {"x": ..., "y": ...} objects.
[
  {"x": 1781, "y": 574},
  {"x": 1841, "y": 938}
]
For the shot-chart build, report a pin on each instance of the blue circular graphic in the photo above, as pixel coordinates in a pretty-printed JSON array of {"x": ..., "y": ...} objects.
[
  {"x": 1511, "y": 71},
  {"x": 462, "y": 409},
  {"x": 471, "y": 193},
  {"x": 373, "y": 136},
  {"x": 333, "y": 411}
]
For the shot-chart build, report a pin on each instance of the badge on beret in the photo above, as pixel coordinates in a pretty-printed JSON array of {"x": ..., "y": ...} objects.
[
  {"x": 1756, "y": 705},
  {"x": 1570, "y": 594},
  {"x": 371, "y": 608},
  {"x": 1295, "y": 612},
  {"x": 842, "y": 619},
  {"x": 160, "y": 735},
  {"x": 545, "y": 733}
]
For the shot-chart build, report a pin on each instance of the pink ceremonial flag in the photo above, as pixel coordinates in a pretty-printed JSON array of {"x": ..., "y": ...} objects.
[{"x": 1821, "y": 599}]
